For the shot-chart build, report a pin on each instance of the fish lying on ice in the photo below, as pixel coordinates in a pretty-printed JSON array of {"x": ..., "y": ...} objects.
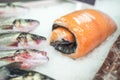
[
  {"x": 25, "y": 25},
  {"x": 13, "y": 72},
  {"x": 79, "y": 32},
  {"x": 10, "y": 10},
  {"x": 29, "y": 58},
  {"x": 20, "y": 39}
]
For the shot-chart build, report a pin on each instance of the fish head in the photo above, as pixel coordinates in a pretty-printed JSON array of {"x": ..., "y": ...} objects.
[
  {"x": 31, "y": 58},
  {"x": 30, "y": 40},
  {"x": 25, "y": 24},
  {"x": 36, "y": 38},
  {"x": 5, "y": 70},
  {"x": 38, "y": 55}
]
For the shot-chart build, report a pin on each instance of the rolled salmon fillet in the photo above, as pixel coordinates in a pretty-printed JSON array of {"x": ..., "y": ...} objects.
[{"x": 79, "y": 32}]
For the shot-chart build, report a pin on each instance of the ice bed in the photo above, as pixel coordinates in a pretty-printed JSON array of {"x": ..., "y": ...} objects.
[{"x": 61, "y": 67}]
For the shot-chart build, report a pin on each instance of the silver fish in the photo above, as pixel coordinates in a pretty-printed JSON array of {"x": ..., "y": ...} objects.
[
  {"x": 20, "y": 39},
  {"x": 10, "y": 10},
  {"x": 13, "y": 72},
  {"x": 25, "y": 25},
  {"x": 29, "y": 58}
]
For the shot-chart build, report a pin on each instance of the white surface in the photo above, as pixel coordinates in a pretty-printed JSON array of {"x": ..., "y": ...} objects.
[{"x": 59, "y": 66}]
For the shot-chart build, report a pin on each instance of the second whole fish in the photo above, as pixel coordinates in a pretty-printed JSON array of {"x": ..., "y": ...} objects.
[
  {"x": 13, "y": 72},
  {"x": 25, "y": 25},
  {"x": 29, "y": 58},
  {"x": 10, "y": 10},
  {"x": 20, "y": 40}
]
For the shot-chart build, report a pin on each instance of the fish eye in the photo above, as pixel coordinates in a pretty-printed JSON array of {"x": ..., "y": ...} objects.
[
  {"x": 22, "y": 35},
  {"x": 17, "y": 52}
]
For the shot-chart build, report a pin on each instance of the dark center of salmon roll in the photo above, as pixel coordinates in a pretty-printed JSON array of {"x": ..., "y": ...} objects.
[{"x": 63, "y": 40}]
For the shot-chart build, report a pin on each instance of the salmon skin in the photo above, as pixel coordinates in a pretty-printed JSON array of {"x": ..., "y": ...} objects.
[
  {"x": 25, "y": 25},
  {"x": 10, "y": 10},
  {"x": 29, "y": 58},
  {"x": 79, "y": 32},
  {"x": 13, "y": 72},
  {"x": 20, "y": 39}
]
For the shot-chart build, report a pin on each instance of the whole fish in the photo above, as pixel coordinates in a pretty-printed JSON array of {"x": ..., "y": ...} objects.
[
  {"x": 29, "y": 58},
  {"x": 13, "y": 72},
  {"x": 10, "y": 9},
  {"x": 20, "y": 40},
  {"x": 25, "y": 25}
]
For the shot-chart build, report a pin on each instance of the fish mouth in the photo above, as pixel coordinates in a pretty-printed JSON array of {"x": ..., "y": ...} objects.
[
  {"x": 64, "y": 46},
  {"x": 35, "y": 23}
]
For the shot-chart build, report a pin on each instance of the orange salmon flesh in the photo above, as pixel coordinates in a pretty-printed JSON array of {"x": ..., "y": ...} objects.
[{"x": 88, "y": 28}]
